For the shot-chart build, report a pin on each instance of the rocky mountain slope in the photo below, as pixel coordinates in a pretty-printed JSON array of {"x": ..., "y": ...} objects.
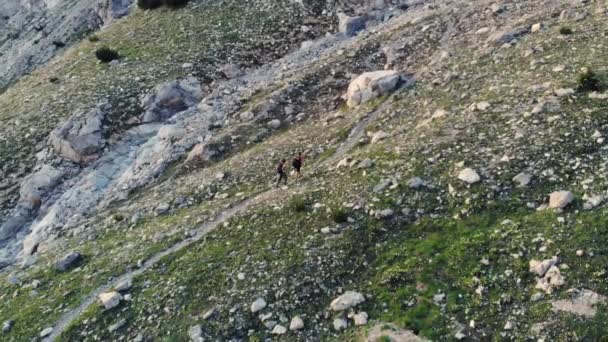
[
  {"x": 32, "y": 32},
  {"x": 453, "y": 185}
]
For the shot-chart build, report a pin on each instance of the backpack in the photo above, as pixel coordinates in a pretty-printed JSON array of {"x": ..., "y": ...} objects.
[
  {"x": 280, "y": 167},
  {"x": 296, "y": 163}
]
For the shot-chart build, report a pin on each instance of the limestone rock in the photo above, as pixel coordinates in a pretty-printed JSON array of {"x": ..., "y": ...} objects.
[
  {"x": 541, "y": 267},
  {"x": 110, "y": 300},
  {"x": 82, "y": 137},
  {"x": 195, "y": 332},
  {"x": 340, "y": 324},
  {"x": 582, "y": 303},
  {"x": 46, "y": 332},
  {"x": 522, "y": 179},
  {"x": 469, "y": 176},
  {"x": 360, "y": 318},
  {"x": 170, "y": 98},
  {"x": 279, "y": 330},
  {"x": 560, "y": 199},
  {"x": 258, "y": 305},
  {"x": 296, "y": 323},
  {"x": 68, "y": 261},
  {"x": 347, "y": 300},
  {"x": 370, "y": 85},
  {"x": 350, "y": 25}
]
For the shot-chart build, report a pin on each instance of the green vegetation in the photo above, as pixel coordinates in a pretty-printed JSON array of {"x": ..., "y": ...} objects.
[
  {"x": 106, "y": 54},
  {"x": 565, "y": 30},
  {"x": 339, "y": 215},
  {"x": 588, "y": 81}
]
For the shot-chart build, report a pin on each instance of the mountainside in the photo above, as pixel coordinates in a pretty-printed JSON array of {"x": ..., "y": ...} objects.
[
  {"x": 453, "y": 184},
  {"x": 34, "y": 31}
]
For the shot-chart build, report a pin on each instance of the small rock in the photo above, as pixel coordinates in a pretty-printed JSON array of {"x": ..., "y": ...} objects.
[
  {"x": 415, "y": 183},
  {"x": 347, "y": 300},
  {"x": 360, "y": 318},
  {"x": 439, "y": 298},
  {"x": 110, "y": 300},
  {"x": 563, "y": 92},
  {"x": 340, "y": 324},
  {"x": 469, "y": 176},
  {"x": 385, "y": 214},
  {"x": 560, "y": 199},
  {"x": 195, "y": 332},
  {"x": 46, "y": 332},
  {"x": 365, "y": 164},
  {"x": 274, "y": 124},
  {"x": 210, "y": 313},
  {"x": 7, "y": 326},
  {"x": 68, "y": 261},
  {"x": 162, "y": 208},
  {"x": 279, "y": 330},
  {"x": 258, "y": 305},
  {"x": 114, "y": 327},
  {"x": 508, "y": 325},
  {"x": 296, "y": 323},
  {"x": 580, "y": 253},
  {"x": 379, "y": 136},
  {"x": 541, "y": 267},
  {"x": 124, "y": 285},
  {"x": 522, "y": 179},
  {"x": 536, "y": 27}
]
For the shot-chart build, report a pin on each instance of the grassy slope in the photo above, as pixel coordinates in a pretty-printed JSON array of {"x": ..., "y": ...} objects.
[{"x": 403, "y": 262}]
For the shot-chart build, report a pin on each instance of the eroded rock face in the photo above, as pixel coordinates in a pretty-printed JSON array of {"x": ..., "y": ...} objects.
[
  {"x": 82, "y": 137},
  {"x": 37, "y": 184},
  {"x": 171, "y": 98},
  {"x": 370, "y": 85}
]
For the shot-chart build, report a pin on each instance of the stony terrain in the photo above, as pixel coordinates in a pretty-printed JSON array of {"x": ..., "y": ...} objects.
[{"x": 453, "y": 185}]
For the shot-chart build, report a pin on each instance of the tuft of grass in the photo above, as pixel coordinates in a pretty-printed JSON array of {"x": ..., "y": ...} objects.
[
  {"x": 588, "y": 81},
  {"x": 298, "y": 204},
  {"x": 93, "y": 38},
  {"x": 565, "y": 30},
  {"x": 339, "y": 215},
  {"x": 106, "y": 54}
]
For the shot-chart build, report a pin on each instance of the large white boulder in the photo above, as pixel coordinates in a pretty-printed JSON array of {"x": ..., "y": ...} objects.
[
  {"x": 370, "y": 85},
  {"x": 560, "y": 199},
  {"x": 81, "y": 137},
  {"x": 110, "y": 300}
]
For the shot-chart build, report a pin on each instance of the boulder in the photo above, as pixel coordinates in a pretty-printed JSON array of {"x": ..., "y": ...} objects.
[
  {"x": 82, "y": 137},
  {"x": 541, "y": 267},
  {"x": 347, "y": 300},
  {"x": 124, "y": 285},
  {"x": 522, "y": 179},
  {"x": 582, "y": 303},
  {"x": 560, "y": 199},
  {"x": 110, "y": 300},
  {"x": 350, "y": 25},
  {"x": 171, "y": 98},
  {"x": 37, "y": 184},
  {"x": 370, "y": 85},
  {"x": 68, "y": 261},
  {"x": 12, "y": 225}
]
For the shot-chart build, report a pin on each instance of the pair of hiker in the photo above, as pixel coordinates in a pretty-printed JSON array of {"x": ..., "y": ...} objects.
[{"x": 296, "y": 163}]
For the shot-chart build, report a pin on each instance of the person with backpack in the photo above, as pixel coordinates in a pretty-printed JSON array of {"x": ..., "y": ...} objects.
[
  {"x": 281, "y": 174},
  {"x": 297, "y": 164}
]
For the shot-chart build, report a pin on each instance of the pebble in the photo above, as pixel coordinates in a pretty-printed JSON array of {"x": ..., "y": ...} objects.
[{"x": 297, "y": 323}]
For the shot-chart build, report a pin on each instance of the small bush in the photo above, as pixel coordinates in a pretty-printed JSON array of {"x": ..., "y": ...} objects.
[
  {"x": 588, "y": 80},
  {"x": 106, "y": 55},
  {"x": 149, "y": 4},
  {"x": 93, "y": 38},
  {"x": 339, "y": 215},
  {"x": 175, "y": 3},
  {"x": 565, "y": 30},
  {"x": 54, "y": 79},
  {"x": 298, "y": 204}
]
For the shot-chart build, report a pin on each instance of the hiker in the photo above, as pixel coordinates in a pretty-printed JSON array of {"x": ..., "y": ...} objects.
[
  {"x": 281, "y": 175},
  {"x": 297, "y": 163}
]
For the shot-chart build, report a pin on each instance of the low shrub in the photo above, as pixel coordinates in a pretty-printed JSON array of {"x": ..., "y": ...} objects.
[
  {"x": 93, "y": 38},
  {"x": 565, "y": 30},
  {"x": 339, "y": 215},
  {"x": 175, "y": 3},
  {"x": 298, "y": 204},
  {"x": 589, "y": 81},
  {"x": 149, "y": 4},
  {"x": 106, "y": 55}
]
